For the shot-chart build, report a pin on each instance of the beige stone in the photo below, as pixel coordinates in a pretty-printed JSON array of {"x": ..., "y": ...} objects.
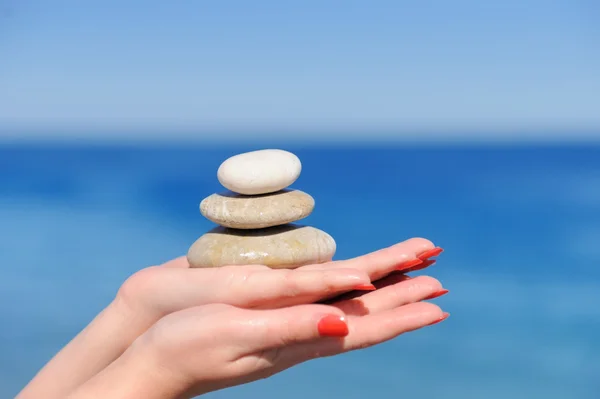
[
  {"x": 258, "y": 211},
  {"x": 280, "y": 247}
]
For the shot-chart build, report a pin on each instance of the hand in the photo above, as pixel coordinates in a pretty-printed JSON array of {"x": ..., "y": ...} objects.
[
  {"x": 206, "y": 348},
  {"x": 160, "y": 290}
]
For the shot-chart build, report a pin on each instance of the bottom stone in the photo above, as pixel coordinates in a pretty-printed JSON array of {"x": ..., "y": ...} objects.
[{"x": 281, "y": 247}]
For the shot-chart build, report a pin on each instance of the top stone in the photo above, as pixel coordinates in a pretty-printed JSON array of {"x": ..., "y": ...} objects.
[{"x": 259, "y": 172}]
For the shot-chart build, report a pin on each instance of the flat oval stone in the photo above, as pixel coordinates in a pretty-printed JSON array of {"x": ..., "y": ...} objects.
[
  {"x": 280, "y": 247},
  {"x": 259, "y": 172},
  {"x": 256, "y": 212}
]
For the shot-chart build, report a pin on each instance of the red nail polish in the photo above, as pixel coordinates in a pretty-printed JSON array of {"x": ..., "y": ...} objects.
[
  {"x": 365, "y": 287},
  {"x": 431, "y": 253},
  {"x": 444, "y": 317},
  {"x": 422, "y": 266},
  {"x": 437, "y": 294},
  {"x": 408, "y": 264},
  {"x": 333, "y": 326}
]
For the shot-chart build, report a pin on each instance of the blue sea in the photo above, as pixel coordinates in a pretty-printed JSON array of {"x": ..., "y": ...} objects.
[{"x": 520, "y": 227}]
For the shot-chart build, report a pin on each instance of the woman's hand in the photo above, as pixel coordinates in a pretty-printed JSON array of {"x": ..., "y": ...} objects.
[
  {"x": 157, "y": 291},
  {"x": 206, "y": 348}
]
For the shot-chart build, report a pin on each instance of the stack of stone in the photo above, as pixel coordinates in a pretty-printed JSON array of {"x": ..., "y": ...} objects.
[{"x": 255, "y": 217}]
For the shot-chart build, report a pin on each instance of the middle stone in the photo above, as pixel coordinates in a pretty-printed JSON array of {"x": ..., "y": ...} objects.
[{"x": 257, "y": 211}]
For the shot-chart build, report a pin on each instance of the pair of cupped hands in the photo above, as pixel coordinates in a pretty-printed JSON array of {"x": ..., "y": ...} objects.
[{"x": 177, "y": 332}]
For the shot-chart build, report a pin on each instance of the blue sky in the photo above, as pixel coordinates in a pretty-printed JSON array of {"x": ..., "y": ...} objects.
[{"x": 385, "y": 67}]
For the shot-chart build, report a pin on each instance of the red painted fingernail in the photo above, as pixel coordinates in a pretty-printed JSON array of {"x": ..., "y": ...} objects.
[
  {"x": 422, "y": 266},
  {"x": 437, "y": 294},
  {"x": 444, "y": 317},
  {"x": 365, "y": 287},
  {"x": 333, "y": 326},
  {"x": 408, "y": 264},
  {"x": 431, "y": 253}
]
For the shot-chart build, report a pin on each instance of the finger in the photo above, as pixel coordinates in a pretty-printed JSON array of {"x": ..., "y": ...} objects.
[
  {"x": 424, "y": 265},
  {"x": 280, "y": 328},
  {"x": 382, "y": 326},
  {"x": 367, "y": 331},
  {"x": 400, "y": 275},
  {"x": 380, "y": 263},
  {"x": 172, "y": 289},
  {"x": 392, "y": 278},
  {"x": 288, "y": 288},
  {"x": 395, "y": 292}
]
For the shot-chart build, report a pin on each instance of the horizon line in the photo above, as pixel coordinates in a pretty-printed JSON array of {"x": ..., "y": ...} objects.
[{"x": 350, "y": 135}]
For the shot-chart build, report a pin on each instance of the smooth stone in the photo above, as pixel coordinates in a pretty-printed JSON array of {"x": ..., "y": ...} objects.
[
  {"x": 259, "y": 172},
  {"x": 280, "y": 247},
  {"x": 256, "y": 212}
]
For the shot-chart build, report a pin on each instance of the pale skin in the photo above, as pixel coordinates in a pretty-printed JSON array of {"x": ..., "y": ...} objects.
[{"x": 177, "y": 332}]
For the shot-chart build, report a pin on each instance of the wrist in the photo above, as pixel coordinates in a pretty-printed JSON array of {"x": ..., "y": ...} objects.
[
  {"x": 136, "y": 374},
  {"x": 86, "y": 355}
]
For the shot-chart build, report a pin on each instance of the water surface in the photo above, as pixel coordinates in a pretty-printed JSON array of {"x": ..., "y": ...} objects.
[{"x": 521, "y": 229}]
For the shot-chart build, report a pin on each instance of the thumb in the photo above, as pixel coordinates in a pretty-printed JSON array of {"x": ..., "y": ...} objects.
[{"x": 298, "y": 324}]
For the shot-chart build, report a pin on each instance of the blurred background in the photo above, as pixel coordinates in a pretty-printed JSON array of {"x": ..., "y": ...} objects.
[{"x": 474, "y": 124}]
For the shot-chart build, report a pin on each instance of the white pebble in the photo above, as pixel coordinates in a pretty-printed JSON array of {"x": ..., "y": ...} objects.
[{"x": 259, "y": 172}]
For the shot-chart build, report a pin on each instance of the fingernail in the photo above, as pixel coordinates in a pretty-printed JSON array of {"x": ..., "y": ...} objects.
[
  {"x": 431, "y": 253},
  {"x": 437, "y": 294},
  {"x": 409, "y": 263},
  {"x": 422, "y": 266},
  {"x": 444, "y": 317},
  {"x": 333, "y": 326},
  {"x": 365, "y": 287}
]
